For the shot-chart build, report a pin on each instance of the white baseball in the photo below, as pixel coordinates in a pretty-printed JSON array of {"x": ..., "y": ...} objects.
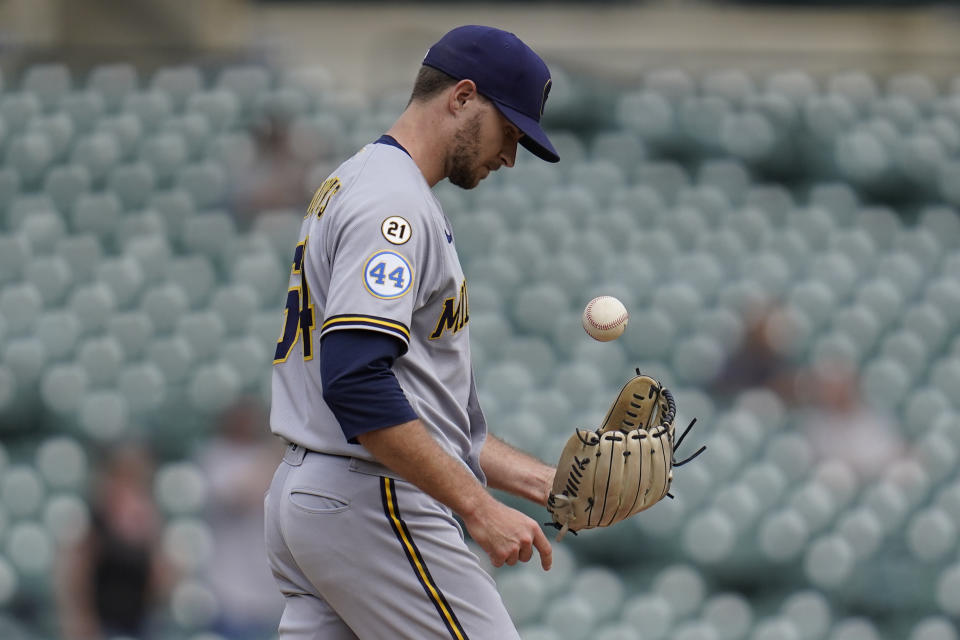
[{"x": 605, "y": 318}]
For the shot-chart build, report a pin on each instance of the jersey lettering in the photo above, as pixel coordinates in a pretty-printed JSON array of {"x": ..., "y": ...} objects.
[
  {"x": 298, "y": 314},
  {"x": 454, "y": 315},
  {"x": 322, "y": 197}
]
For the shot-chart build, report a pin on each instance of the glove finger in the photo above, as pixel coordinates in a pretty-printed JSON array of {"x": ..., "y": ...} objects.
[
  {"x": 608, "y": 481},
  {"x": 637, "y": 472},
  {"x": 661, "y": 457}
]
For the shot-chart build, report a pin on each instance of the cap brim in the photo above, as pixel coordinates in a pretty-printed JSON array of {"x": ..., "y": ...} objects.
[{"x": 534, "y": 138}]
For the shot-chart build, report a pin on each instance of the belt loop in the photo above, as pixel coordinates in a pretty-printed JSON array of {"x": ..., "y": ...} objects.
[{"x": 294, "y": 454}]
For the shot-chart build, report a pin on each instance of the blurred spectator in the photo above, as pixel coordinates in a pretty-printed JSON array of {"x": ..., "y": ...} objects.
[
  {"x": 840, "y": 426},
  {"x": 239, "y": 462},
  {"x": 759, "y": 360},
  {"x": 275, "y": 179},
  {"x": 109, "y": 582}
]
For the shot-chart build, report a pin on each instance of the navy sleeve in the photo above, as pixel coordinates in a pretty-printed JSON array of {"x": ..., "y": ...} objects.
[{"x": 358, "y": 383}]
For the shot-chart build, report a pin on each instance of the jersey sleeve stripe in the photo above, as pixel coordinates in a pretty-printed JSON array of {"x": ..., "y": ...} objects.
[{"x": 366, "y": 322}]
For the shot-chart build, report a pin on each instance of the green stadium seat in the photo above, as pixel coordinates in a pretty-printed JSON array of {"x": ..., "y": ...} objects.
[
  {"x": 862, "y": 158},
  {"x": 21, "y": 490},
  {"x": 686, "y": 225},
  {"x": 63, "y": 386},
  {"x": 164, "y": 304},
  {"x": 570, "y": 616},
  {"x": 59, "y": 130},
  {"x": 919, "y": 158},
  {"x": 43, "y": 229},
  {"x": 697, "y": 360},
  {"x": 165, "y": 153},
  {"x": 930, "y": 535},
  {"x": 113, "y": 82},
  {"x": 934, "y": 628},
  {"x": 30, "y": 548},
  {"x": 195, "y": 130},
  {"x": 709, "y": 536},
  {"x": 126, "y": 130},
  {"x": 58, "y": 330},
  {"x": 699, "y": 119},
  {"x": 726, "y": 247},
  {"x": 152, "y": 252},
  {"x": 883, "y": 299},
  {"x": 748, "y": 135},
  {"x": 125, "y": 278},
  {"x": 859, "y": 88},
  {"x": 919, "y": 88},
  {"x": 828, "y": 116},
  {"x": 768, "y": 270},
  {"x": 206, "y": 182},
  {"x": 133, "y": 184},
  {"x": 829, "y": 562},
  {"x": 795, "y": 84},
  {"x": 791, "y": 247},
  {"x": 649, "y": 116},
  {"x": 132, "y": 330},
  {"x": 246, "y": 82},
  {"x": 943, "y": 221},
  {"x": 204, "y": 331},
  {"x": 62, "y": 463},
  {"x": 20, "y": 306},
  {"x": 213, "y": 387},
  {"x": 929, "y": 323},
  {"x": 654, "y": 613},
  {"x": 101, "y": 358},
  {"x": 25, "y": 357},
  {"x": 282, "y": 104},
  {"x": 99, "y": 152},
  {"x": 172, "y": 355},
  {"x": 151, "y": 107},
  {"x": 617, "y": 631},
  {"x": 142, "y": 386},
  {"x": 921, "y": 245},
  {"x": 18, "y": 109},
  {"x": 51, "y": 275},
  {"x": 730, "y": 613},
  {"x": 884, "y": 383},
  {"x": 30, "y": 155},
  {"x": 82, "y": 251},
  {"x": 177, "y": 82},
  {"x": 944, "y": 294},
  {"x": 264, "y": 274},
  {"x": 63, "y": 183},
  {"x": 219, "y": 108},
  {"x": 235, "y": 303},
  {"x": 860, "y": 324},
  {"x": 248, "y": 357},
  {"x": 9, "y": 186},
  {"x": 729, "y": 176},
  {"x": 48, "y": 82},
  {"x": 84, "y": 108},
  {"x": 683, "y": 586},
  {"x": 618, "y": 147},
  {"x": 97, "y": 213}
]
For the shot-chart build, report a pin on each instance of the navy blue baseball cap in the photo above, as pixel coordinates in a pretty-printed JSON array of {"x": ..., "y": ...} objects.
[{"x": 506, "y": 71}]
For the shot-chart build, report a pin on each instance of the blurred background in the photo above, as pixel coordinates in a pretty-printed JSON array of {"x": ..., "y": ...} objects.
[{"x": 770, "y": 187}]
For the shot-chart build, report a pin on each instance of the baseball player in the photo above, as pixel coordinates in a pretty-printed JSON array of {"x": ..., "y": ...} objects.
[{"x": 373, "y": 386}]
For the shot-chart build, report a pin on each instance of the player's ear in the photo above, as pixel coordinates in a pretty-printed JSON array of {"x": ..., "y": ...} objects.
[{"x": 461, "y": 95}]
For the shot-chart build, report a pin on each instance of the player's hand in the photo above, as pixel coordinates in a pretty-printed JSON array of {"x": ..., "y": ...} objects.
[{"x": 507, "y": 535}]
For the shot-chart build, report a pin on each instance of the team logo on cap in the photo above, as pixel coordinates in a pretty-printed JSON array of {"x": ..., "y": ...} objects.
[{"x": 546, "y": 92}]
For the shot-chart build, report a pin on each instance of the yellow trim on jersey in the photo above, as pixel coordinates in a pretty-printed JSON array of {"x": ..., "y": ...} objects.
[
  {"x": 413, "y": 554},
  {"x": 367, "y": 320}
]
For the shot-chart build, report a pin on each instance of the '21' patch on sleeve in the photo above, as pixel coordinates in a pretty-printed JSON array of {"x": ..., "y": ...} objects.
[{"x": 387, "y": 275}]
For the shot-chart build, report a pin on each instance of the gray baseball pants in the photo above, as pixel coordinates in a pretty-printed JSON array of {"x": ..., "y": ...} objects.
[{"x": 359, "y": 553}]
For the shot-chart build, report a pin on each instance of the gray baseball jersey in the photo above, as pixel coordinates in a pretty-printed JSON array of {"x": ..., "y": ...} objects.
[
  {"x": 357, "y": 551},
  {"x": 376, "y": 252}
]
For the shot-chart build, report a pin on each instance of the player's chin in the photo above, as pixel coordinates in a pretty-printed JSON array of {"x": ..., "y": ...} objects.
[{"x": 469, "y": 181}]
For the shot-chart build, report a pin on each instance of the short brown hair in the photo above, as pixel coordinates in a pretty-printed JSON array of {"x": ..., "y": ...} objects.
[{"x": 429, "y": 83}]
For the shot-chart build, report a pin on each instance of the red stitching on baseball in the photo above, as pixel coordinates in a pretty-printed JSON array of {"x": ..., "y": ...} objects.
[{"x": 606, "y": 325}]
